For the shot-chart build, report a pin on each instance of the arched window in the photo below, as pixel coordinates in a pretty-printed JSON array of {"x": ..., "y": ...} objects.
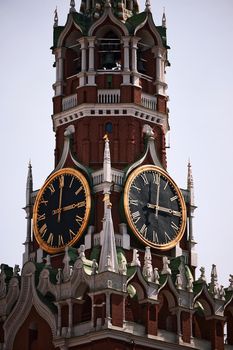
[
  {"x": 109, "y": 52},
  {"x": 108, "y": 128}
]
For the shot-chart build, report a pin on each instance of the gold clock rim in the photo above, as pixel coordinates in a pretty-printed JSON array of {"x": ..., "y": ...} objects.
[
  {"x": 83, "y": 180},
  {"x": 129, "y": 181}
]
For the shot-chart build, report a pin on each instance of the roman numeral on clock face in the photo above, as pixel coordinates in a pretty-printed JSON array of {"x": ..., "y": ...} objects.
[
  {"x": 133, "y": 202},
  {"x": 136, "y": 216},
  {"x": 144, "y": 178},
  {"x": 143, "y": 230},
  {"x": 79, "y": 220}
]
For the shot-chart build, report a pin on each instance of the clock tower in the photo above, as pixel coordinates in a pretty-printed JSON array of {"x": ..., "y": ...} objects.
[{"x": 110, "y": 253}]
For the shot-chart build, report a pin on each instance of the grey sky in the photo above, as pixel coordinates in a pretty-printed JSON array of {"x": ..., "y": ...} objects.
[{"x": 200, "y": 88}]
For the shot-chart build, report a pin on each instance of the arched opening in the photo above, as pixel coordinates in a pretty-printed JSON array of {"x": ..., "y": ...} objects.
[
  {"x": 133, "y": 309},
  {"x": 145, "y": 57},
  {"x": 229, "y": 327},
  {"x": 34, "y": 334},
  {"x": 73, "y": 54},
  {"x": 200, "y": 325},
  {"x": 166, "y": 319},
  {"x": 109, "y": 51},
  {"x": 82, "y": 310}
]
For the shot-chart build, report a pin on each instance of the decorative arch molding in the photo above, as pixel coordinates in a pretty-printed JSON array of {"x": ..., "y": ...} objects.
[
  {"x": 108, "y": 14},
  {"x": 204, "y": 295},
  {"x": 70, "y": 22},
  {"x": 28, "y": 297},
  {"x": 152, "y": 26},
  {"x": 170, "y": 288}
]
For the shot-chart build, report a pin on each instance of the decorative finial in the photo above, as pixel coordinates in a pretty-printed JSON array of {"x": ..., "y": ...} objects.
[
  {"x": 230, "y": 288},
  {"x": 164, "y": 20},
  {"x": 148, "y": 268},
  {"x": 166, "y": 269},
  {"x": 202, "y": 278},
  {"x": 190, "y": 183},
  {"x": 72, "y": 6},
  {"x": 55, "y": 18},
  {"x": 148, "y": 6},
  {"x": 214, "y": 289},
  {"x": 135, "y": 261},
  {"x": 108, "y": 3}
]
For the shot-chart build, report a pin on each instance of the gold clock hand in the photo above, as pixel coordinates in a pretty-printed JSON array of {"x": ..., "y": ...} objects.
[
  {"x": 69, "y": 207},
  {"x": 157, "y": 198},
  {"x": 163, "y": 209},
  {"x": 61, "y": 185}
]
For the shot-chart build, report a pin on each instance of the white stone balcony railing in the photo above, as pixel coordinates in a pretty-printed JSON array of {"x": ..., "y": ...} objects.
[
  {"x": 109, "y": 96},
  {"x": 117, "y": 177},
  {"x": 149, "y": 101},
  {"x": 69, "y": 102}
]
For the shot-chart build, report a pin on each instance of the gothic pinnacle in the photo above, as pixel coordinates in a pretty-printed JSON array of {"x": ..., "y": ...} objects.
[
  {"x": 148, "y": 6},
  {"x": 108, "y": 3},
  {"x": 55, "y": 18},
  {"x": 72, "y": 6},
  {"x": 164, "y": 20},
  {"x": 29, "y": 186},
  {"x": 190, "y": 184}
]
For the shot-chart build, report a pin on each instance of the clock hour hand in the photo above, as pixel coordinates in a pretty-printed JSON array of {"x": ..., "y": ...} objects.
[{"x": 68, "y": 207}]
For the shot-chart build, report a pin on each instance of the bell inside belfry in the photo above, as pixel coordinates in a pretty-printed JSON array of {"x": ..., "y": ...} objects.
[{"x": 109, "y": 60}]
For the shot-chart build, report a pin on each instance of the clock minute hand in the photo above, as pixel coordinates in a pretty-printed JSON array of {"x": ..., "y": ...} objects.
[
  {"x": 61, "y": 185},
  {"x": 163, "y": 209}
]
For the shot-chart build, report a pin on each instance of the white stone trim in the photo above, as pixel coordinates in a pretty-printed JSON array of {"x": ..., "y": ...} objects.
[{"x": 100, "y": 110}]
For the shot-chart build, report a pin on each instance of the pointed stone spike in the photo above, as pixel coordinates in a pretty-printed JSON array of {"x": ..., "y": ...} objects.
[
  {"x": 72, "y": 6},
  {"x": 55, "y": 18},
  {"x": 190, "y": 183},
  {"x": 29, "y": 185},
  {"x": 147, "y": 267},
  {"x": 108, "y": 256},
  {"x": 230, "y": 288},
  {"x": 148, "y": 6},
  {"x": 164, "y": 19},
  {"x": 108, "y": 3}
]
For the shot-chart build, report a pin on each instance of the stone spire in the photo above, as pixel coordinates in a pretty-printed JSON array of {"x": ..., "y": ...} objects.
[
  {"x": 28, "y": 209},
  {"x": 107, "y": 176},
  {"x": 164, "y": 20},
  {"x": 148, "y": 6},
  {"x": 190, "y": 184},
  {"x": 55, "y": 18},
  {"x": 72, "y": 6},
  {"x": 29, "y": 186},
  {"x": 108, "y": 256}
]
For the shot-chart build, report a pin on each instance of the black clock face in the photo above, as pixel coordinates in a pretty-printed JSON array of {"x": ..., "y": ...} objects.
[
  {"x": 61, "y": 210},
  {"x": 154, "y": 207}
]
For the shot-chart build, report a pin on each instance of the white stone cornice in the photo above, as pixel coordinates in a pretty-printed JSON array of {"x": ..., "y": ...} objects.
[{"x": 120, "y": 109}]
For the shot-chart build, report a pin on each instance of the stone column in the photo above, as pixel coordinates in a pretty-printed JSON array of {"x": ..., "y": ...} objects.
[
  {"x": 134, "y": 48},
  {"x": 83, "y": 44},
  {"x": 91, "y": 70},
  {"x": 70, "y": 317},
  {"x": 83, "y": 48},
  {"x": 91, "y": 42},
  {"x": 60, "y": 54}
]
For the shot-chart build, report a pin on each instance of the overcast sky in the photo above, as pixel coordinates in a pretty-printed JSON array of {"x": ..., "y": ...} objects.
[{"x": 199, "y": 81}]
